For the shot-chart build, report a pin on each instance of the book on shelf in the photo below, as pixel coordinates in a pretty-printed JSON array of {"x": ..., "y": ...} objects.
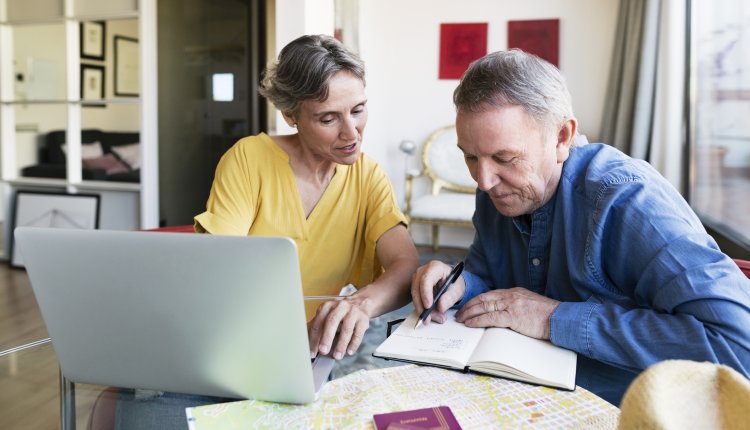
[
  {"x": 493, "y": 351},
  {"x": 437, "y": 418}
]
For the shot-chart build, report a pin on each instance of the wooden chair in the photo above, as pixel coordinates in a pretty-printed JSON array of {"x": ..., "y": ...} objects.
[{"x": 451, "y": 200}]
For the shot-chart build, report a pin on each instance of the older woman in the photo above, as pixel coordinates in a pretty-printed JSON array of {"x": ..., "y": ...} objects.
[{"x": 317, "y": 187}]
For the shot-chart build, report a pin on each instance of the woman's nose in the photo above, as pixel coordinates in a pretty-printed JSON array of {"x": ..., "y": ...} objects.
[{"x": 349, "y": 129}]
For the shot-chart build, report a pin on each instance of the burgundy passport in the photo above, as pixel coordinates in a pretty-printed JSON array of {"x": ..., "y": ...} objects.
[{"x": 437, "y": 418}]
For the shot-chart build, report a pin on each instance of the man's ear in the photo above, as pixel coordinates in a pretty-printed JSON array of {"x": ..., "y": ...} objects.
[
  {"x": 289, "y": 118},
  {"x": 565, "y": 137}
]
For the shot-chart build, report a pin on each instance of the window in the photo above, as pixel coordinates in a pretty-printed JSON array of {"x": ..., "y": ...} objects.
[
  {"x": 720, "y": 112},
  {"x": 222, "y": 87}
]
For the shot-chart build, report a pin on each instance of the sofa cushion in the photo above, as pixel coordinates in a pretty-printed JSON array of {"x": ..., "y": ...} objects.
[
  {"x": 52, "y": 151},
  {"x": 94, "y": 144},
  {"x": 130, "y": 154},
  {"x": 108, "y": 162},
  {"x": 88, "y": 150}
]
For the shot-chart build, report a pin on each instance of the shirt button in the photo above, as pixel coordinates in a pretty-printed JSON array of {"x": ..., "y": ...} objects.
[{"x": 535, "y": 262}]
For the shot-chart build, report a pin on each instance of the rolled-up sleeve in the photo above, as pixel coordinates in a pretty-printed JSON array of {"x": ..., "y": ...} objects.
[{"x": 231, "y": 206}]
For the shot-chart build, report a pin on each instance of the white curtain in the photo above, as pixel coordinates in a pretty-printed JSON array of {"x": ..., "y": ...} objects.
[
  {"x": 668, "y": 137},
  {"x": 644, "y": 112}
]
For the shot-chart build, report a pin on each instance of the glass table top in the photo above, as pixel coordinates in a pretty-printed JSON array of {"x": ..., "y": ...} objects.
[
  {"x": 30, "y": 390},
  {"x": 30, "y": 381}
]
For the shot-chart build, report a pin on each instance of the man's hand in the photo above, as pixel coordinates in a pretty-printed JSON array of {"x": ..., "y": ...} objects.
[
  {"x": 423, "y": 284},
  {"x": 344, "y": 319},
  {"x": 516, "y": 308}
]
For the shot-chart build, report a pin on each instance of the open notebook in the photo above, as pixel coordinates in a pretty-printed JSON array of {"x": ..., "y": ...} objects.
[
  {"x": 190, "y": 313},
  {"x": 494, "y": 351}
]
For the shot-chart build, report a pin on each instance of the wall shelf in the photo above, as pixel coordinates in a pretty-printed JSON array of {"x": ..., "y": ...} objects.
[{"x": 40, "y": 92}]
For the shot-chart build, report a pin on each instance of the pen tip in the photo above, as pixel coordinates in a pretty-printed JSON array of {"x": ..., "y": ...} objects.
[{"x": 419, "y": 323}]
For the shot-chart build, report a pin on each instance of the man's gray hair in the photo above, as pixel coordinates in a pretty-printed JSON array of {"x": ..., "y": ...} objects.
[
  {"x": 517, "y": 78},
  {"x": 303, "y": 70}
]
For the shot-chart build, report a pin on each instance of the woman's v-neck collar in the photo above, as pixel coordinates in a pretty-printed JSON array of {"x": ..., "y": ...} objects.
[{"x": 338, "y": 175}]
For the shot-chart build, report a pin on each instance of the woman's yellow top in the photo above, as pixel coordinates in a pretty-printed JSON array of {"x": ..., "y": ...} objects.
[{"x": 255, "y": 193}]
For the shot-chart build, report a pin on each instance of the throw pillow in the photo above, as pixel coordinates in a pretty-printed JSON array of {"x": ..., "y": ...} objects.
[
  {"x": 130, "y": 154},
  {"x": 88, "y": 150},
  {"x": 108, "y": 162}
]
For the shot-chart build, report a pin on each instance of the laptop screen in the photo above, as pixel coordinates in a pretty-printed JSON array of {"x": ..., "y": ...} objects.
[{"x": 190, "y": 313}]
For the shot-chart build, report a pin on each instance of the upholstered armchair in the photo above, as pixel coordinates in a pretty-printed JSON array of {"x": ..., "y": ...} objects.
[{"x": 451, "y": 198}]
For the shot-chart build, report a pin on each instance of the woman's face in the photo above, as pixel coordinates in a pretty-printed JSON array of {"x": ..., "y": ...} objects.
[{"x": 332, "y": 129}]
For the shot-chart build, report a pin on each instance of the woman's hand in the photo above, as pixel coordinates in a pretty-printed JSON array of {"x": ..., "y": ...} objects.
[{"x": 338, "y": 327}]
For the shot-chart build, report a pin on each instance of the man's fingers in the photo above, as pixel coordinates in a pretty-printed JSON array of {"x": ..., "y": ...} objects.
[
  {"x": 490, "y": 319},
  {"x": 424, "y": 282},
  {"x": 416, "y": 294},
  {"x": 452, "y": 295},
  {"x": 480, "y": 305},
  {"x": 439, "y": 317}
]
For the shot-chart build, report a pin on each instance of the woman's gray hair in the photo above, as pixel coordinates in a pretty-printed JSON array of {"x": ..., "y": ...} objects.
[
  {"x": 517, "y": 78},
  {"x": 303, "y": 70}
]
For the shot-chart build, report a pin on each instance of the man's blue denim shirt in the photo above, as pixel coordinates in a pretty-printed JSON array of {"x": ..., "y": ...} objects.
[{"x": 639, "y": 278}]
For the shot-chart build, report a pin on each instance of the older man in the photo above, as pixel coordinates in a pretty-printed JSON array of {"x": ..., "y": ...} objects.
[{"x": 580, "y": 244}]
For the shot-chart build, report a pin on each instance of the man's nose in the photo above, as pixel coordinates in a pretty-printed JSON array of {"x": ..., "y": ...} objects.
[{"x": 486, "y": 176}]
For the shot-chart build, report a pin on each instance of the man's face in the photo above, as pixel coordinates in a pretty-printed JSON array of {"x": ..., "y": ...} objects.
[{"x": 512, "y": 157}]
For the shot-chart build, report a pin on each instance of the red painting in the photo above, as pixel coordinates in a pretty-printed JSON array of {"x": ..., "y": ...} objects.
[
  {"x": 540, "y": 37},
  {"x": 460, "y": 44}
]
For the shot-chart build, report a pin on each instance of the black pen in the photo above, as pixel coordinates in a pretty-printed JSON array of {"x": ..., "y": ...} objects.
[{"x": 452, "y": 277}]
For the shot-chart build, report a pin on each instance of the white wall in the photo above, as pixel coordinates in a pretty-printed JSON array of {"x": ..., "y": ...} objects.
[
  {"x": 399, "y": 41},
  {"x": 295, "y": 18}
]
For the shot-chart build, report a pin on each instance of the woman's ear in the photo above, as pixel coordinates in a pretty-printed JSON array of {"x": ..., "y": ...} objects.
[
  {"x": 565, "y": 137},
  {"x": 289, "y": 118}
]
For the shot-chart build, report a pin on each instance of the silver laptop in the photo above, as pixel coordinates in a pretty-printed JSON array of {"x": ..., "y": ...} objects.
[{"x": 189, "y": 313}]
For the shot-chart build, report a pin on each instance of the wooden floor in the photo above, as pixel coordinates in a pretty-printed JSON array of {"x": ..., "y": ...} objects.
[
  {"x": 28, "y": 397},
  {"x": 20, "y": 321},
  {"x": 29, "y": 381}
]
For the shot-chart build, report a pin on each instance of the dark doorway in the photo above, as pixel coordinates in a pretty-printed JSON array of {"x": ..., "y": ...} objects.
[{"x": 210, "y": 56}]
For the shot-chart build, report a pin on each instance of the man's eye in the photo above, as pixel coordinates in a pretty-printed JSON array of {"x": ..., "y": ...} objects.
[
  {"x": 470, "y": 158},
  {"x": 326, "y": 120}
]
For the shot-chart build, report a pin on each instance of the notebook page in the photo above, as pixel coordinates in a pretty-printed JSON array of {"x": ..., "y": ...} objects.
[
  {"x": 544, "y": 362},
  {"x": 448, "y": 344}
]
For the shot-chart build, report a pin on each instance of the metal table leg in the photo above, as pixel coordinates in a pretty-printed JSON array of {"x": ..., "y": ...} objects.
[{"x": 67, "y": 404}]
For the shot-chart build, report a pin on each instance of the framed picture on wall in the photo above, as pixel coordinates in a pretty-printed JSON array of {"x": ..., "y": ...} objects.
[
  {"x": 460, "y": 44},
  {"x": 540, "y": 37},
  {"x": 93, "y": 37},
  {"x": 127, "y": 76},
  {"x": 92, "y": 82},
  {"x": 52, "y": 210}
]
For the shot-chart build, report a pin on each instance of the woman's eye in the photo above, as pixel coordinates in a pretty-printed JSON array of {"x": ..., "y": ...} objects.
[{"x": 326, "y": 120}]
